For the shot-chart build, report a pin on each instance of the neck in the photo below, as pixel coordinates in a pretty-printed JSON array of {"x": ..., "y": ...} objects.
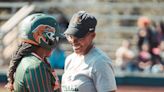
[
  {"x": 88, "y": 49},
  {"x": 40, "y": 52}
]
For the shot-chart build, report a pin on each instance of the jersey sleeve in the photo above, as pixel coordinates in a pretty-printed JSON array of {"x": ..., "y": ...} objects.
[
  {"x": 38, "y": 79},
  {"x": 103, "y": 76}
]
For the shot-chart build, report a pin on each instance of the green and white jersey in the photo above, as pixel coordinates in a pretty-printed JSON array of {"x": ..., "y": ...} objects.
[
  {"x": 33, "y": 75},
  {"x": 90, "y": 73}
]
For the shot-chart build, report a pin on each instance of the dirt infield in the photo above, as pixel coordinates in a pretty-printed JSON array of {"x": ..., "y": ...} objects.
[
  {"x": 139, "y": 89},
  {"x": 120, "y": 89}
]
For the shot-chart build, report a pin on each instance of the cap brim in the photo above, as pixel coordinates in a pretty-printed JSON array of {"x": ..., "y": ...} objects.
[{"x": 75, "y": 32}]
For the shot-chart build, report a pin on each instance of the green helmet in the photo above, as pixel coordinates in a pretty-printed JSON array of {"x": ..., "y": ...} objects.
[{"x": 40, "y": 29}]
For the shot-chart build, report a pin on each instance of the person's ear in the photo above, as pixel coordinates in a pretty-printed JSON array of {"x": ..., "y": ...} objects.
[{"x": 93, "y": 34}]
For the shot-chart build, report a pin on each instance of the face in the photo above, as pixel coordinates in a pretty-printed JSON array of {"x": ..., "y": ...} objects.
[{"x": 81, "y": 45}]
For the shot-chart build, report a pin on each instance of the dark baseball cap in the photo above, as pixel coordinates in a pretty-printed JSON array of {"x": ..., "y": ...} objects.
[{"x": 80, "y": 24}]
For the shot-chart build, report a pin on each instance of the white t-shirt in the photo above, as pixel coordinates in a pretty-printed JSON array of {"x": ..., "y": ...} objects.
[
  {"x": 123, "y": 56},
  {"x": 90, "y": 73}
]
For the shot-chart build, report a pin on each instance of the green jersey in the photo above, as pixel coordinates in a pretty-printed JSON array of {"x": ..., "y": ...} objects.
[{"x": 33, "y": 75}]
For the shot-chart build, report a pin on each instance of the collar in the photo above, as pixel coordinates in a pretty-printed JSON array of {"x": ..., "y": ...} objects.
[{"x": 37, "y": 56}]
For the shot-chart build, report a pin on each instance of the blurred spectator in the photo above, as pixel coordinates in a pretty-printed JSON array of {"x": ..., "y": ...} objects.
[
  {"x": 160, "y": 31},
  {"x": 156, "y": 55},
  {"x": 158, "y": 66},
  {"x": 144, "y": 32},
  {"x": 150, "y": 50},
  {"x": 162, "y": 51},
  {"x": 144, "y": 58},
  {"x": 124, "y": 56},
  {"x": 148, "y": 33},
  {"x": 157, "y": 37},
  {"x": 144, "y": 54},
  {"x": 57, "y": 58}
]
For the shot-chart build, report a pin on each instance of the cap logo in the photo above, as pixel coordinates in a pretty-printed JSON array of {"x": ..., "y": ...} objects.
[
  {"x": 91, "y": 29},
  {"x": 38, "y": 33}
]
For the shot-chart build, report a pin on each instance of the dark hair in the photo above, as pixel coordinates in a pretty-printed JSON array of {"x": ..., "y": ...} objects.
[{"x": 22, "y": 50}]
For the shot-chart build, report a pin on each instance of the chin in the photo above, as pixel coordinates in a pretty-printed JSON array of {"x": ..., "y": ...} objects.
[
  {"x": 77, "y": 52},
  {"x": 48, "y": 55}
]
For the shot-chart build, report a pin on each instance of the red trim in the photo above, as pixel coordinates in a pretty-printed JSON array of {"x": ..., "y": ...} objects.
[
  {"x": 30, "y": 41},
  {"x": 31, "y": 81},
  {"x": 37, "y": 80},
  {"x": 46, "y": 78},
  {"x": 42, "y": 78},
  {"x": 37, "y": 56}
]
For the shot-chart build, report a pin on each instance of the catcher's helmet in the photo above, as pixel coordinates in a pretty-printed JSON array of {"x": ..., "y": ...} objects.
[{"x": 40, "y": 29}]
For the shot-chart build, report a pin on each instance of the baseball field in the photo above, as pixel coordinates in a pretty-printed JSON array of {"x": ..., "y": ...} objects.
[{"x": 120, "y": 89}]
